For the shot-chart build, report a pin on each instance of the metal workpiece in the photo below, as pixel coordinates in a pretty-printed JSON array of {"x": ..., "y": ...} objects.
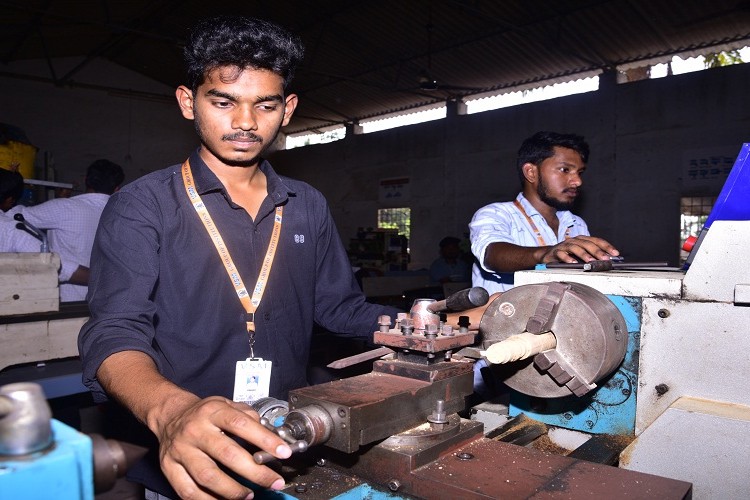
[
  {"x": 519, "y": 347},
  {"x": 606, "y": 265},
  {"x": 25, "y": 419},
  {"x": 422, "y": 315},
  {"x": 271, "y": 410},
  {"x": 590, "y": 333},
  {"x": 311, "y": 423}
]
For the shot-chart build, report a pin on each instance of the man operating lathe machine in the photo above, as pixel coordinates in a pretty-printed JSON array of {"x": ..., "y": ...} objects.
[
  {"x": 538, "y": 226},
  {"x": 207, "y": 277}
]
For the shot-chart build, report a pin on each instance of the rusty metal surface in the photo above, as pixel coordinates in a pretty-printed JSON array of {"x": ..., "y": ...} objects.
[
  {"x": 392, "y": 459},
  {"x": 357, "y": 391},
  {"x": 421, "y": 343},
  {"x": 502, "y": 470},
  {"x": 466, "y": 465}
]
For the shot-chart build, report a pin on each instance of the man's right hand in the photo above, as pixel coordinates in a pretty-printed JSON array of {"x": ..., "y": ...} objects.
[
  {"x": 195, "y": 435},
  {"x": 199, "y": 437}
]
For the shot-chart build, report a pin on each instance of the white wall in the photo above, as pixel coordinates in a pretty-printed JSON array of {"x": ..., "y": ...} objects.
[{"x": 640, "y": 135}]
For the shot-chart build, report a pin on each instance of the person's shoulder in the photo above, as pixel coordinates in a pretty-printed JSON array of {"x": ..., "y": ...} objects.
[
  {"x": 301, "y": 188},
  {"x": 498, "y": 207},
  {"x": 148, "y": 192},
  {"x": 152, "y": 180}
]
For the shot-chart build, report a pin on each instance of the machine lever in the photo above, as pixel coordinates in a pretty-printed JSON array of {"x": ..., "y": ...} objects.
[
  {"x": 263, "y": 457},
  {"x": 461, "y": 300},
  {"x": 37, "y": 233}
]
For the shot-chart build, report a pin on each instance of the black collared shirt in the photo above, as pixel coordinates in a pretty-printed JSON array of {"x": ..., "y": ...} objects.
[{"x": 158, "y": 285}]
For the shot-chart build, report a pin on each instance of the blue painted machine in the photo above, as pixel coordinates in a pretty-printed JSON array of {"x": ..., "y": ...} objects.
[{"x": 43, "y": 458}]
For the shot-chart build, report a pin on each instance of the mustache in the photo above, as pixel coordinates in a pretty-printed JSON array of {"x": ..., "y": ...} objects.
[{"x": 240, "y": 136}]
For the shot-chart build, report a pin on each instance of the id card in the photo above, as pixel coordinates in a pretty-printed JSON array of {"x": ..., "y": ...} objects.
[{"x": 252, "y": 378}]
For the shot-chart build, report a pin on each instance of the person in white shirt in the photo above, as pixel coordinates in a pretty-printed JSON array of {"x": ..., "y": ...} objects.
[
  {"x": 11, "y": 238},
  {"x": 15, "y": 240},
  {"x": 537, "y": 227},
  {"x": 71, "y": 225}
]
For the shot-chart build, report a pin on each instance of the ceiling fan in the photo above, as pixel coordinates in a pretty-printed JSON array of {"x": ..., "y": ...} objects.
[{"x": 426, "y": 81}]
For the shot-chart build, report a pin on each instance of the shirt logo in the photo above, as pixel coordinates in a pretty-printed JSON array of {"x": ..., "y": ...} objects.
[{"x": 299, "y": 238}]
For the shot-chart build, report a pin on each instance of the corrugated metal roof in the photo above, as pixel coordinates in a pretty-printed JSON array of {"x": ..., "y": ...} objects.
[{"x": 366, "y": 58}]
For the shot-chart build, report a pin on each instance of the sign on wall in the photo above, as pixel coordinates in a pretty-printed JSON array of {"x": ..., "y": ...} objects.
[
  {"x": 706, "y": 170},
  {"x": 395, "y": 191}
]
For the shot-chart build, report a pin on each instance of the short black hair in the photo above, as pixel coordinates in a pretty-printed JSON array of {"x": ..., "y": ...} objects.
[
  {"x": 11, "y": 185},
  {"x": 104, "y": 176},
  {"x": 540, "y": 146},
  {"x": 242, "y": 42}
]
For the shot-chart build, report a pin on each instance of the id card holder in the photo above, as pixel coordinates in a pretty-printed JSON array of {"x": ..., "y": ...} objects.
[{"x": 252, "y": 379}]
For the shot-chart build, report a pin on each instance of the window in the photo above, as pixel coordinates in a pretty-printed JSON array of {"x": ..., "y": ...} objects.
[
  {"x": 421, "y": 116},
  {"x": 543, "y": 93},
  {"x": 694, "y": 211},
  {"x": 324, "y": 137},
  {"x": 395, "y": 218}
]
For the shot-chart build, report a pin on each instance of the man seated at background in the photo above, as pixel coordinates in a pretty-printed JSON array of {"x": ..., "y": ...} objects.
[
  {"x": 450, "y": 267},
  {"x": 71, "y": 225}
]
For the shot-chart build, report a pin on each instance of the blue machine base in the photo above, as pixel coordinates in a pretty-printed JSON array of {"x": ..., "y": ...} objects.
[
  {"x": 64, "y": 471},
  {"x": 609, "y": 409}
]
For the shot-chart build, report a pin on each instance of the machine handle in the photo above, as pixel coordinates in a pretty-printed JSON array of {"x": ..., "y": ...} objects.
[
  {"x": 37, "y": 233},
  {"x": 461, "y": 300}
]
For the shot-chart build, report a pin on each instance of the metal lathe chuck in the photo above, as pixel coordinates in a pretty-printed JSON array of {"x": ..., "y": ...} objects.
[{"x": 590, "y": 337}]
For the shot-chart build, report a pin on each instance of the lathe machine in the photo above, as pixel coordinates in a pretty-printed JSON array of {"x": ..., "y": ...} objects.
[
  {"x": 622, "y": 383},
  {"x": 643, "y": 368}
]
